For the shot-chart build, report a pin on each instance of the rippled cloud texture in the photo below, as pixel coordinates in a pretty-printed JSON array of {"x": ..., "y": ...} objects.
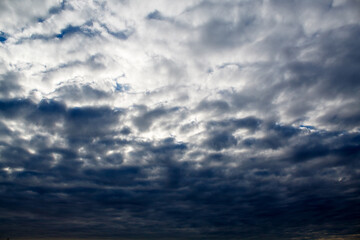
[{"x": 180, "y": 119}]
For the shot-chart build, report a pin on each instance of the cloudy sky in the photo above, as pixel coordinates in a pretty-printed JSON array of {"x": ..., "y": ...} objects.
[{"x": 193, "y": 119}]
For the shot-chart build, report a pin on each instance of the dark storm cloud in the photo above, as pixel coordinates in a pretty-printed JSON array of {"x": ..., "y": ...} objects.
[
  {"x": 83, "y": 122},
  {"x": 283, "y": 130},
  {"x": 220, "y": 140},
  {"x": 14, "y": 108},
  {"x": 201, "y": 198},
  {"x": 277, "y": 158},
  {"x": 340, "y": 146},
  {"x": 4, "y": 130},
  {"x": 78, "y": 126},
  {"x": 46, "y": 113},
  {"x": 221, "y": 135}
]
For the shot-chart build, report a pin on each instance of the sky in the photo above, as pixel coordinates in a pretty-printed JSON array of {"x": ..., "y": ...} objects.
[{"x": 196, "y": 119}]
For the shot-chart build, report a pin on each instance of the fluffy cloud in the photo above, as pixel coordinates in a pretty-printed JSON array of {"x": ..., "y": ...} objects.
[{"x": 186, "y": 120}]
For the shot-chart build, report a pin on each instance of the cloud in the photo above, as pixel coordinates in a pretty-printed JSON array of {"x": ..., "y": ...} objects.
[
  {"x": 156, "y": 15},
  {"x": 70, "y": 30},
  {"x": 9, "y": 84},
  {"x": 189, "y": 120},
  {"x": 3, "y": 37},
  {"x": 146, "y": 118},
  {"x": 80, "y": 93},
  {"x": 220, "y": 140}
]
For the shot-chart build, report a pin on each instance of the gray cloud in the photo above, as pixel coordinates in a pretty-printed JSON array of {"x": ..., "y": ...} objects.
[
  {"x": 9, "y": 85},
  {"x": 79, "y": 93},
  {"x": 146, "y": 118}
]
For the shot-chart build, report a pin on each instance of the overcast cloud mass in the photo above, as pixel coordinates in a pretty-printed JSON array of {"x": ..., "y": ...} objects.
[{"x": 180, "y": 119}]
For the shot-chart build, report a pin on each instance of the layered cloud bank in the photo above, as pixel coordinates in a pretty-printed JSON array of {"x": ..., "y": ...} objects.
[{"x": 180, "y": 119}]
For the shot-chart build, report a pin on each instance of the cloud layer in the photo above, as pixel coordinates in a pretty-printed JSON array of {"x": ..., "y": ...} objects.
[{"x": 181, "y": 120}]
